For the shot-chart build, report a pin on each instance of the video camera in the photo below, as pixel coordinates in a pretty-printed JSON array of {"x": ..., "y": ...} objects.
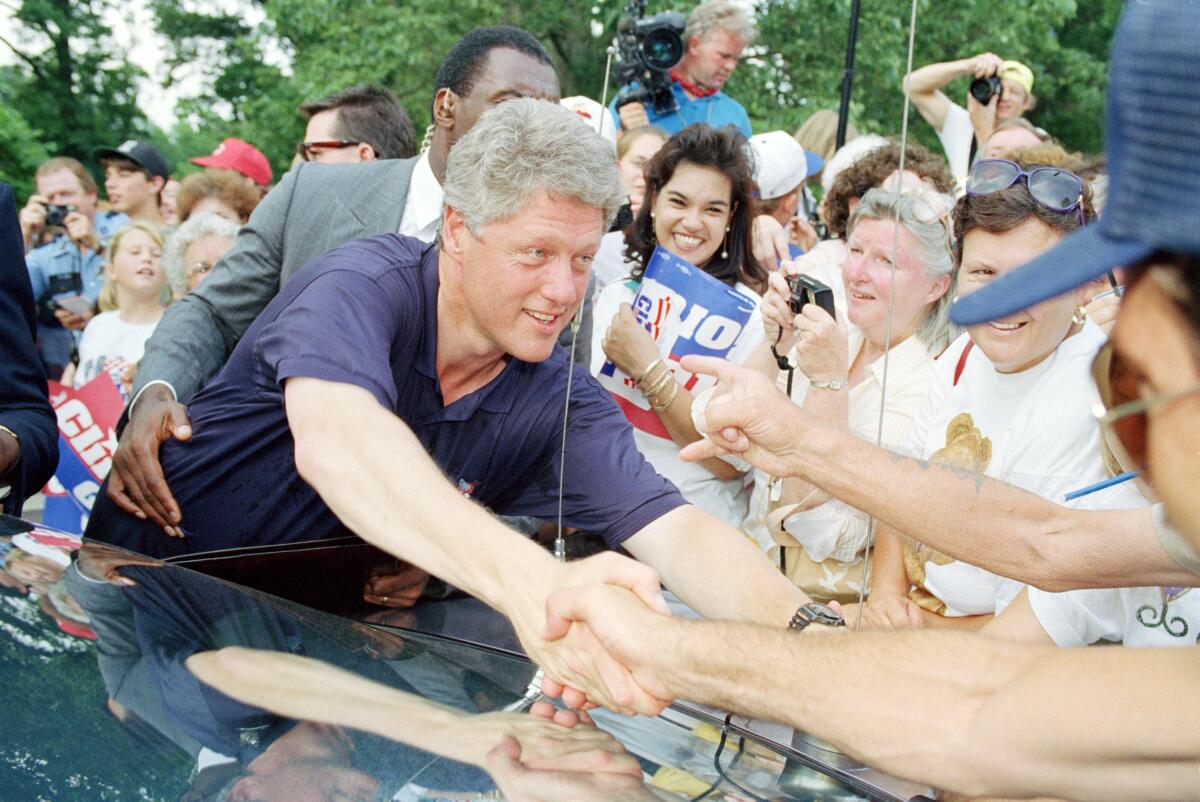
[{"x": 647, "y": 47}]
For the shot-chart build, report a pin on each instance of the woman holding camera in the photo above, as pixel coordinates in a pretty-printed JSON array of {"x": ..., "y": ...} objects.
[
  {"x": 697, "y": 206},
  {"x": 838, "y": 367}
]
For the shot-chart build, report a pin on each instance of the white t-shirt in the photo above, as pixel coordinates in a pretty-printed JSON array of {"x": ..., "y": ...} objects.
[
  {"x": 1133, "y": 616},
  {"x": 956, "y": 135},
  {"x": 725, "y": 499},
  {"x": 1034, "y": 429},
  {"x": 609, "y": 265},
  {"x": 110, "y": 344}
]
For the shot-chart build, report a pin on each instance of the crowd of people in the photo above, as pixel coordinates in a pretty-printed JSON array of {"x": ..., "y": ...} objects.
[{"x": 886, "y": 439}]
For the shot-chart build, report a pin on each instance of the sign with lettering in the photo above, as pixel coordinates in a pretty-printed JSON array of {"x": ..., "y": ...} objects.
[
  {"x": 687, "y": 311},
  {"x": 87, "y": 422}
]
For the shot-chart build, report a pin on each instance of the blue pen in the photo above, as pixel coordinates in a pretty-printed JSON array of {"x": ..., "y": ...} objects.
[{"x": 1087, "y": 491}]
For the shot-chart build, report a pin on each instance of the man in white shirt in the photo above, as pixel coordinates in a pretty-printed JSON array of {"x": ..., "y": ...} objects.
[{"x": 963, "y": 131}]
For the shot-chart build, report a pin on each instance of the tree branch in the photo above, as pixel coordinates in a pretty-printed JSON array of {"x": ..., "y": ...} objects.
[{"x": 37, "y": 68}]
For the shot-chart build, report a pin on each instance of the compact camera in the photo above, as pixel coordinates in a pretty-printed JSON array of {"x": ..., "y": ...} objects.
[
  {"x": 57, "y": 213},
  {"x": 647, "y": 47},
  {"x": 807, "y": 290},
  {"x": 982, "y": 89}
]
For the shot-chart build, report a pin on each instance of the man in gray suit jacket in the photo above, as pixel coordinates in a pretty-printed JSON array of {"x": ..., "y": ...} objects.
[{"x": 316, "y": 208}]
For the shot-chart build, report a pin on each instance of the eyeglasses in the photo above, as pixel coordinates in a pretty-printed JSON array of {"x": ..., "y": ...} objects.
[
  {"x": 308, "y": 150},
  {"x": 1122, "y": 411},
  {"x": 199, "y": 269},
  {"x": 1057, "y": 190}
]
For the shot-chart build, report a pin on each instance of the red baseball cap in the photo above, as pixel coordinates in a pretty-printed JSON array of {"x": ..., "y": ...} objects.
[{"x": 234, "y": 154}]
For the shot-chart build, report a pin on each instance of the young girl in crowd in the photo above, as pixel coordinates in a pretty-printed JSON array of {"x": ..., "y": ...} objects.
[
  {"x": 697, "y": 206},
  {"x": 838, "y": 373},
  {"x": 1012, "y": 399},
  {"x": 131, "y": 304}
]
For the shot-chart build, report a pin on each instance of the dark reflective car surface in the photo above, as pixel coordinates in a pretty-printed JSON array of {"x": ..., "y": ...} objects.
[{"x": 102, "y": 699}]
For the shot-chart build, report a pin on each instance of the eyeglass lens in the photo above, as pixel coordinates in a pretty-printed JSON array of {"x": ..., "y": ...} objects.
[
  {"x": 1054, "y": 188},
  {"x": 1121, "y": 387}
]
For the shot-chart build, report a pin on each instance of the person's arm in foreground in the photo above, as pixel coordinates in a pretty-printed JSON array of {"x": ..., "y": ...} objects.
[
  {"x": 983, "y": 521},
  {"x": 376, "y": 477},
  {"x": 189, "y": 345},
  {"x": 310, "y": 690},
  {"x": 958, "y": 711},
  {"x": 715, "y": 569}
]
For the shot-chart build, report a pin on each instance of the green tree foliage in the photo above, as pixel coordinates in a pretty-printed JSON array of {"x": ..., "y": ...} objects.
[
  {"x": 21, "y": 149},
  {"x": 72, "y": 82},
  {"x": 803, "y": 46}
]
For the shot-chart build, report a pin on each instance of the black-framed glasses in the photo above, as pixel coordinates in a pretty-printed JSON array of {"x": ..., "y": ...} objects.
[
  {"x": 1057, "y": 190},
  {"x": 1122, "y": 410},
  {"x": 308, "y": 150}
]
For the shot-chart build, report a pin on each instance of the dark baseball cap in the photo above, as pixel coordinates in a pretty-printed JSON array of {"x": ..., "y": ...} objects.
[
  {"x": 1153, "y": 155},
  {"x": 141, "y": 153}
]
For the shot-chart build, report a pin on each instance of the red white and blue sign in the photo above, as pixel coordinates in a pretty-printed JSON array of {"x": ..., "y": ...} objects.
[
  {"x": 87, "y": 422},
  {"x": 687, "y": 311}
]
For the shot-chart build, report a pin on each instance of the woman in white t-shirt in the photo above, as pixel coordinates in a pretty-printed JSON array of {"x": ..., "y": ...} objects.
[
  {"x": 1011, "y": 399},
  {"x": 135, "y": 286},
  {"x": 838, "y": 368},
  {"x": 697, "y": 206}
]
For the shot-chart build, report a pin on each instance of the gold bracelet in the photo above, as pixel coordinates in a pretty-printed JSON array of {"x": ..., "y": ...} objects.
[
  {"x": 656, "y": 386},
  {"x": 638, "y": 379},
  {"x": 659, "y": 407}
]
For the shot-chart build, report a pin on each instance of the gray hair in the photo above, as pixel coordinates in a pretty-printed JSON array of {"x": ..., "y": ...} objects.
[
  {"x": 522, "y": 146},
  {"x": 926, "y": 216},
  {"x": 195, "y": 228},
  {"x": 722, "y": 14}
]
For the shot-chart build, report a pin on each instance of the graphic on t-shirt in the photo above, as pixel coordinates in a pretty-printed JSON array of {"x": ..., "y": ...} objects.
[
  {"x": 966, "y": 448},
  {"x": 1174, "y": 625}
]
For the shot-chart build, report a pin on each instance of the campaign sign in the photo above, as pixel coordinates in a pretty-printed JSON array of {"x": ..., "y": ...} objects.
[
  {"x": 687, "y": 312},
  {"x": 87, "y": 422}
]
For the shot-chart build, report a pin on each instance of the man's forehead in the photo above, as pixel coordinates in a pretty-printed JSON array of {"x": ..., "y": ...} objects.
[
  {"x": 60, "y": 179},
  {"x": 509, "y": 70}
]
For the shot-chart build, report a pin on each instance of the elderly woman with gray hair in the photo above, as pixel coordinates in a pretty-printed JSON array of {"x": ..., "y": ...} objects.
[
  {"x": 839, "y": 370},
  {"x": 194, "y": 248}
]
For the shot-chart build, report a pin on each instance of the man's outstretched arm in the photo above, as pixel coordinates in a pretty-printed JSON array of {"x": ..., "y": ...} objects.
[
  {"x": 715, "y": 569},
  {"x": 958, "y": 711},
  {"x": 374, "y": 474},
  {"x": 968, "y": 516}
]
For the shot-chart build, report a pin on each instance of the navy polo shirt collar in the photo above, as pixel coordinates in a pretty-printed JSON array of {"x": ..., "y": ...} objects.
[{"x": 498, "y": 395}]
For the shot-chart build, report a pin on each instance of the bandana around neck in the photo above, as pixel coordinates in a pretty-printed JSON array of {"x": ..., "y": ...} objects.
[{"x": 690, "y": 88}]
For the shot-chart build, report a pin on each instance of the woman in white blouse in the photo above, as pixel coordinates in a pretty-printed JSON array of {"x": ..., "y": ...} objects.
[{"x": 839, "y": 370}]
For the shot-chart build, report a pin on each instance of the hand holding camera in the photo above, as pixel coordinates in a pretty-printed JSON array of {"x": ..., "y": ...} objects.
[
  {"x": 33, "y": 217},
  {"x": 79, "y": 228},
  {"x": 821, "y": 349}
]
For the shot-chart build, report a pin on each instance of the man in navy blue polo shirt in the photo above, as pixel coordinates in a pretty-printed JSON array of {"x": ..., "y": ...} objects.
[{"x": 387, "y": 366}]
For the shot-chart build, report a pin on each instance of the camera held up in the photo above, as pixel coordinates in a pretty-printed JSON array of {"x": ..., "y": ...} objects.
[
  {"x": 807, "y": 290},
  {"x": 982, "y": 89},
  {"x": 57, "y": 213},
  {"x": 647, "y": 47}
]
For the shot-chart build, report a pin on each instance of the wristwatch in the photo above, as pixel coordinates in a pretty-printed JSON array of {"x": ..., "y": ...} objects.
[{"x": 816, "y": 613}]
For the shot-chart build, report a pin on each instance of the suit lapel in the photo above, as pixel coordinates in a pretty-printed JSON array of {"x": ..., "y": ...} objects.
[{"x": 378, "y": 202}]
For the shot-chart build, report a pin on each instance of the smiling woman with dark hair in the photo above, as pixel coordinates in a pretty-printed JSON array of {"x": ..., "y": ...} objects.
[{"x": 697, "y": 206}]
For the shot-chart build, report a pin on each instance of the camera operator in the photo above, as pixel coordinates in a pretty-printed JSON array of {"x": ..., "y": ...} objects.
[
  {"x": 962, "y": 131},
  {"x": 716, "y": 34},
  {"x": 70, "y": 266}
]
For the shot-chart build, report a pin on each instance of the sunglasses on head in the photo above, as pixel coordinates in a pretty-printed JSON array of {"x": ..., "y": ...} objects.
[
  {"x": 1122, "y": 409},
  {"x": 1057, "y": 190}
]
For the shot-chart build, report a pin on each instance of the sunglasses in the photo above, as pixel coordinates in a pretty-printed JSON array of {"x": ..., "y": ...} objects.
[
  {"x": 1057, "y": 190},
  {"x": 1122, "y": 409},
  {"x": 308, "y": 150}
]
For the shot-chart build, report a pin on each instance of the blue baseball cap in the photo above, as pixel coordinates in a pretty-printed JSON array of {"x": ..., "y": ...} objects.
[{"x": 1152, "y": 131}]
